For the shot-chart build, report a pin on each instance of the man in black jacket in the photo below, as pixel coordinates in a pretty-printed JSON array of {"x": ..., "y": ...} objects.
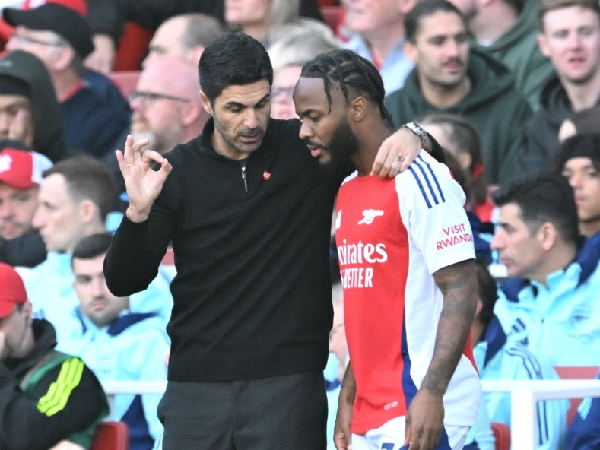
[
  {"x": 248, "y": 211},
  {"x": 46, "y": 397}
]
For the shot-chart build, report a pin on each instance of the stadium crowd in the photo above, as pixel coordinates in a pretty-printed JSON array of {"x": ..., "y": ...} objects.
[{"x": 505, "y": 93}]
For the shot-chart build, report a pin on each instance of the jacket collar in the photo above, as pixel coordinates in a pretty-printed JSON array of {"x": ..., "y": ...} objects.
[
  {"x": 44, "y": 337},
  {"x": 495, "y": 338},
  {"x": 587, "y": 258}
]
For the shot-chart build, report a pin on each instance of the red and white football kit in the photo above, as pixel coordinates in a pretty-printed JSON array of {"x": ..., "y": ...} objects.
[{"x": 391, "y": 236}]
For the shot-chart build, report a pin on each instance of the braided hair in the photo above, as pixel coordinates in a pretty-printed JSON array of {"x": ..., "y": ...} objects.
[{"x": 350, "y": 71}]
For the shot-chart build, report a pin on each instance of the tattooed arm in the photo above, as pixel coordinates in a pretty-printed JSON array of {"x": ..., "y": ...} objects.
[
  {"x": 424, "y": 420},
  {"x": 458, "y": 284}
]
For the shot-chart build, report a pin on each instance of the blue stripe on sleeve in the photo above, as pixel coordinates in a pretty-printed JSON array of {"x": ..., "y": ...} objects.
[
  {"x": 435, "y": 199},
  {"x": 437, "y": 183},
  {"x": 420, "y": 187}
]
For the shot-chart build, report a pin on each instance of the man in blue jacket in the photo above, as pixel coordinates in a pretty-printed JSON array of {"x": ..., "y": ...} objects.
[
  {"x": 117, "y": 344},
  {"x": 75, "y": 197},
  {"x": 550, "y": 303},
  {"x": 498, "y": 359}
]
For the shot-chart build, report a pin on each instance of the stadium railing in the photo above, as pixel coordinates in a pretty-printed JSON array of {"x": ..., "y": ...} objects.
[{"x": 524, "y": 398}]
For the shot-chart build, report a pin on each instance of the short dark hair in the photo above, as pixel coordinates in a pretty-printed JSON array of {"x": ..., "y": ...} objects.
[
  {"x": 412, "y": 21},
  {"x": 91, "y": 246},
  {"x": 552, "y": 5},
  {"x": 585, "y": 145},
  {"x": 233, "y": 59},
  {"x": 544, "y": 198},
  {"x": 487, "y": 291},
  {"x": 87, "y": 178},
  {"x": 349, "y": 71}
]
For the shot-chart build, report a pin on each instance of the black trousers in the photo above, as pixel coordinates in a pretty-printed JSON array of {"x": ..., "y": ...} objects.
[{"x": 286, "y": 412}]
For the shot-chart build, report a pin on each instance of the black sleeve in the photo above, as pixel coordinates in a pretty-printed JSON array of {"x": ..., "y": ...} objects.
[
  {"x": 28, "y": 423},
  {"x": 25, "y": 251},
  {"x": 105, "y": 17},
  {"x": 137, "y": 249}
]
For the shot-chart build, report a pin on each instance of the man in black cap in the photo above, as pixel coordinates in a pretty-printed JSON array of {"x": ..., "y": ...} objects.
[
  {"x": 29, "y": 111},
  {"x": 94, "y": 111}
]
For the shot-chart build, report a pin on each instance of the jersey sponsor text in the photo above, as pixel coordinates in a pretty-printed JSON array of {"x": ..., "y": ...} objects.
[
  {"x": 360, "y": 253},
  {"x": 457, "y": 234}
]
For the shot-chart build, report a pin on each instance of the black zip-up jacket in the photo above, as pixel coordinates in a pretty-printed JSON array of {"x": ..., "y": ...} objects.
[
  {"x": 22, "y": 425},
  {"x": 252, "y": 295}
]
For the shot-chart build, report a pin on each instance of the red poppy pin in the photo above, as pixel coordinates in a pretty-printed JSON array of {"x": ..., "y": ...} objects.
[{"x": 267, "y": 175}]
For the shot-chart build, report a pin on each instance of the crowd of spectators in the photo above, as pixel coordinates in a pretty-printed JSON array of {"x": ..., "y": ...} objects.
[{"x": 509, "y": 88}]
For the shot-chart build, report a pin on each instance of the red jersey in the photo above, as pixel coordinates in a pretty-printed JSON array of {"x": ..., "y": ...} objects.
[{"x": 391, "y": 236}]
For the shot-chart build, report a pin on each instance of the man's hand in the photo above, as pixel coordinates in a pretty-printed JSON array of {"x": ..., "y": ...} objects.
[
  {"x": 141, "y": 182},
  {"x": 341, "y": 432},
  {"x": 424, "y": 421},
  {"x": 397, "y": 153},
  {"x": 102, "y": 58}
]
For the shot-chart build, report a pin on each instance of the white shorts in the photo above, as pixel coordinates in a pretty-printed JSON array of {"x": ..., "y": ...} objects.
[{"x": 390, "y": 436}]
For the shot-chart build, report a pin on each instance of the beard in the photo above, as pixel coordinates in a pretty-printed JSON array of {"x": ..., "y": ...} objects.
[
  {"x": 341, "y": 147},
  {"x": 343, "y": 144}
]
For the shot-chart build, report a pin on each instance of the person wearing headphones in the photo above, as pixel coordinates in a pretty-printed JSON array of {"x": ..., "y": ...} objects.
[{"x": 48, "y": 399}]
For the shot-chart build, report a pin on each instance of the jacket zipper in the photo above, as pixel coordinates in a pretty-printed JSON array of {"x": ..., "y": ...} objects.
[{"x": 243, "y": 164}]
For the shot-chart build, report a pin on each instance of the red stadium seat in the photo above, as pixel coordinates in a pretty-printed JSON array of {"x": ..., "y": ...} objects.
[
  {"x": 132, "y": 48},
  {"x": 111, "y": 436},
  {"x": 502, "y": 436},
  {"x": 125, "y": 81},
  {"x": 576, "y": 373}
]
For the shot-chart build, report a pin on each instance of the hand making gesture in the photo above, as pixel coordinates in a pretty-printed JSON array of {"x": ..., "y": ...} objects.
[{"x": 141, "y": 182}]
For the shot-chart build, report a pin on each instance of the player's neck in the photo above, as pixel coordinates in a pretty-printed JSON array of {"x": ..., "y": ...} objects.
[{"x": 369, "y": 142}]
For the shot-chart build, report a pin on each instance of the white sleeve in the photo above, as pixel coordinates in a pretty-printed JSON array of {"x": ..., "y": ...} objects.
[{"x": 431, "y": 206}]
